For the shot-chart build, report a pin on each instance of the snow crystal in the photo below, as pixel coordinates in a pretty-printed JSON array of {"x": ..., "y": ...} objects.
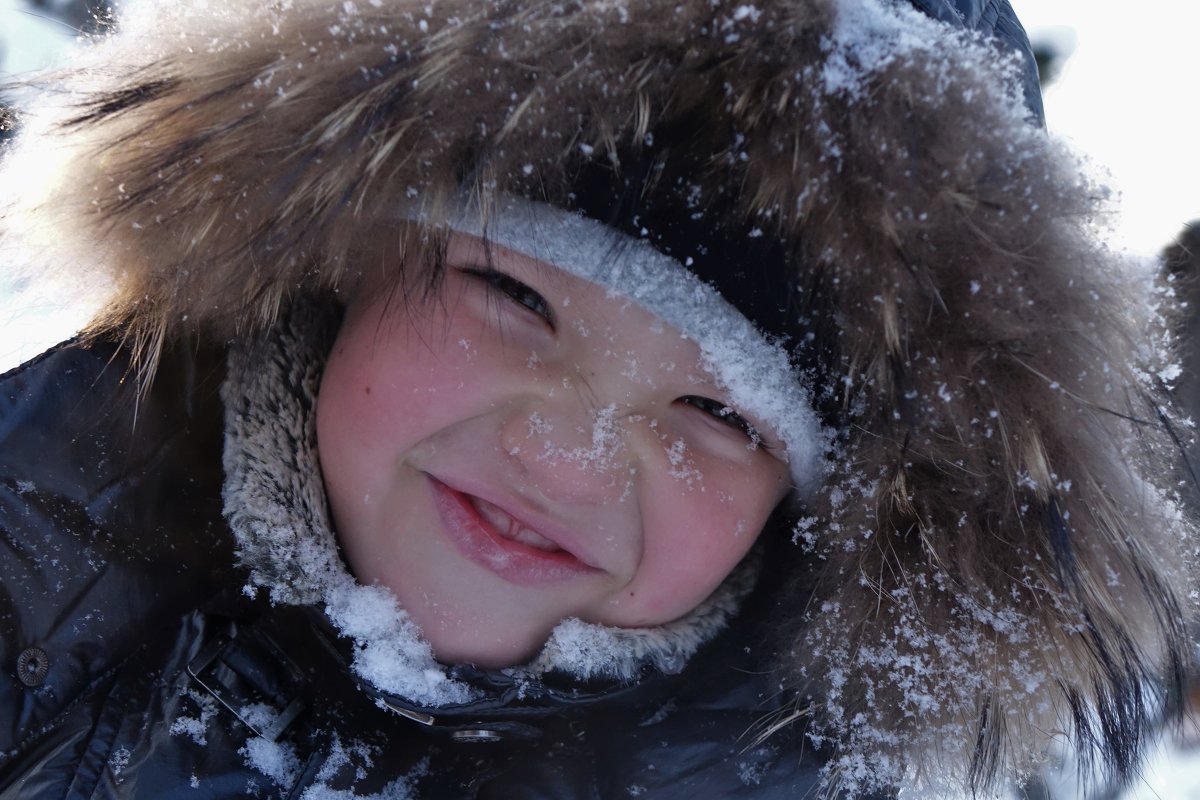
[
  {"x": 869, "y": 36},
  {"x": 402, "y": 788},
  {"x": 258, "y": 716},
  {"x": 388, "y": 648},
  {"x": 750, "y": 773},
  {"x": 341, "y": 756},
  {"x": 746, "y": 12},
  {"x": 195, "y": 727},
  {"x": 277, "y": 760},
  {"x": 119, "y": 760},
  {"x": 606, "y": 443},
  {"x": 681, "y": 467},
  {"x": 587, "y": 649},
  {"x": 806, "y": 530},
  {"x": 1170, "y": 372},
  {"x": 538, "y": 425}
]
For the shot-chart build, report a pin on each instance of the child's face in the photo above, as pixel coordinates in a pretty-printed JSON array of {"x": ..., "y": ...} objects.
[{"x": 532, "y": 448}]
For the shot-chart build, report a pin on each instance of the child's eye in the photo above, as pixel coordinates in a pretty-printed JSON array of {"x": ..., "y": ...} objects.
[
  {"x": 725, "y": 414},
  {"x": 516, "y": 291}
]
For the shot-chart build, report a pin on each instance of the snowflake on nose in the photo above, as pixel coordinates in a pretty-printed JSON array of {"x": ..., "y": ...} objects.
[{"x": 605, "y": 444}]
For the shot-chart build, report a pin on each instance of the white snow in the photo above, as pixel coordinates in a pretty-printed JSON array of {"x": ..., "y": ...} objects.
[
  {"x": 119, "y": 760},
  {"x": 195, "y": 727},
  {"x": 388, "y": 648},
  {"x": 606, "y": 443},
  {"x": 276, "y": 760}
]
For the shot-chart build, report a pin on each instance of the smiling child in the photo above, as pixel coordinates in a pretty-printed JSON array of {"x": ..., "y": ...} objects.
[
  {"x": 567, "y": 455},
  {"x": 576, "y": 400}
]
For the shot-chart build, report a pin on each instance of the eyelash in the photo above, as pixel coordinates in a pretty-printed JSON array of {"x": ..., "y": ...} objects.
[
  {"x": 726, "y": 415},
  {"x": 517, "y": 292},
  {"x": 530, "y": 300}
]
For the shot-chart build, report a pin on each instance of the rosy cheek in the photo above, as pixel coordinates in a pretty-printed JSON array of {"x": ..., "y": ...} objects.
[{"x": 693, "y": 541}]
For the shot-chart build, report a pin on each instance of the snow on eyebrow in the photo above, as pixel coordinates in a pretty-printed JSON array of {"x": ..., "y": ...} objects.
[{"x": 756, "y": 373}]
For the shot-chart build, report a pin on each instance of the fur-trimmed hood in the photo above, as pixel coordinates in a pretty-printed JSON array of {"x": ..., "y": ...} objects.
[{"x": 995, "y": 557}]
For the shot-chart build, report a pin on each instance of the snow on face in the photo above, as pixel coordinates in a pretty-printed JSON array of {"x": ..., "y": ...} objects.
[{"x": 608, "y": 479}]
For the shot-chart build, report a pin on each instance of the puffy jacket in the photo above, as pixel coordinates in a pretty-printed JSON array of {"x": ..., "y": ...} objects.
[
  {"x": 995, "y": 555},
  {"x": 136, "y": 667}
]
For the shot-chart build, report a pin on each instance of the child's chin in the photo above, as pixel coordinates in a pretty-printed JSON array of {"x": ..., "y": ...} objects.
[
  {"x": 484, "y": 657},
  {"x": 484, "y": 647}
]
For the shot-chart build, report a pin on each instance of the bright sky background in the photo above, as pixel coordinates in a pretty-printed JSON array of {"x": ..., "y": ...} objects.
[
  {"x": 29, "y": 41},
  {"x": 1128, "y": 98}
]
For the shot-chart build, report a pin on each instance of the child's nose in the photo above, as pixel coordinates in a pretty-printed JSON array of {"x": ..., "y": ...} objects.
[{"x": 573, "y": 451}]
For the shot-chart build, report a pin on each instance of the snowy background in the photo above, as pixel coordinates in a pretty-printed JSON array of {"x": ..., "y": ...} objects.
[
  {"x": 1123, "y": 94},
  {"x": 1126, "y": 96}
]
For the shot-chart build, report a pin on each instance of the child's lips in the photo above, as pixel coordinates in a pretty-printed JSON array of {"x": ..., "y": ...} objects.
[
  {"x": 509, "y": 527},
  {"x": 493, "y": 538}
]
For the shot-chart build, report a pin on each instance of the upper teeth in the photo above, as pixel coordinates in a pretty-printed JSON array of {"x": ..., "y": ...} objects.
[{"x": 509, "y": 528}]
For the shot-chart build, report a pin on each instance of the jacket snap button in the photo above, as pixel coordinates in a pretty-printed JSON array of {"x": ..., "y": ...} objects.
[
  {"x": 476, "y": 736},
  {"x": 32, "y": 666}
]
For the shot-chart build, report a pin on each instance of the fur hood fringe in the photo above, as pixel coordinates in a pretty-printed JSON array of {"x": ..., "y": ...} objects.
[{"x": 995, "y": 559}]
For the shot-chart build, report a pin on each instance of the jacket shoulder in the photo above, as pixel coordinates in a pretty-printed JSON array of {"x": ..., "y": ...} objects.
[{"x": 110, "y": 524}]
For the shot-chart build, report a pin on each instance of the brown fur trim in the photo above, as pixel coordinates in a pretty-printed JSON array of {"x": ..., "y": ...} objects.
[{"x": 993, "y": 562}]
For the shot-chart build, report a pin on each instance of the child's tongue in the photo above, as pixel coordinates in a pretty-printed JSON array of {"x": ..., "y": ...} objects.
[{"x": 509, "y": 528}]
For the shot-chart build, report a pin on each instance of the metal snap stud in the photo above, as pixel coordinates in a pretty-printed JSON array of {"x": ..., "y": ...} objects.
[
  {"x": 32, "y": 666},
  {"x": 475, "y": 735}
]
